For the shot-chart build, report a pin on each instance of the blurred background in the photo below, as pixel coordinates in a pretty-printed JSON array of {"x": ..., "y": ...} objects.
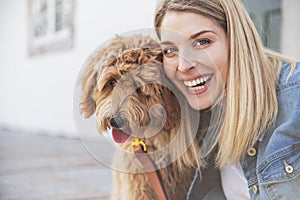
[{"x": 43, "y": 45}]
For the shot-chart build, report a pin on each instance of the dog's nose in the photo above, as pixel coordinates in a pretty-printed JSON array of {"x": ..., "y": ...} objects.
[{"x": 117, "y": 122}]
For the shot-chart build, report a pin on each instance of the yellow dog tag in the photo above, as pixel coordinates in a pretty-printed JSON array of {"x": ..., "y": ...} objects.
[{"x": 138, "y": 142}]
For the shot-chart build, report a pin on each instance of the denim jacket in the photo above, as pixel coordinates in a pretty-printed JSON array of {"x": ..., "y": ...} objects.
[{"x": 272, "y": 165}]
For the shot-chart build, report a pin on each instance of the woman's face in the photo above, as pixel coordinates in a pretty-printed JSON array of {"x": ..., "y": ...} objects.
[{"x": 195, "y": 57}]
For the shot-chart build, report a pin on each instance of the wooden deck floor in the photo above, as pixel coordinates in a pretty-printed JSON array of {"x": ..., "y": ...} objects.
[{"x": 39, "y": 167}]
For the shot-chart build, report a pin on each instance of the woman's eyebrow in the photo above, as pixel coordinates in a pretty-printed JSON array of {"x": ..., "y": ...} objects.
[
  {"x": 166, "y": 43},
  {"x": 194, "y": 36}
]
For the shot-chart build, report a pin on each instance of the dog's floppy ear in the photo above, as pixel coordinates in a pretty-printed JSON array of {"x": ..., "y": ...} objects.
[{"x": 88, "y": 83}]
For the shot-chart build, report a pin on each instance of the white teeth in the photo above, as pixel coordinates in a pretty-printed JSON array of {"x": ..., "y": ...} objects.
[
  {"x": 197, "y": 88},
  {"x": 193, "y": 84}
]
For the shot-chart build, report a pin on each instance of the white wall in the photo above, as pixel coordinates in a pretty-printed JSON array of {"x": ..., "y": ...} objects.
[
  {"x": 36, "y": 92},
  {"x": 290, "y": 41}
]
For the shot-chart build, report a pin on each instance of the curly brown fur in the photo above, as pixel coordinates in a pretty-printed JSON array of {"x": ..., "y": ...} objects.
[{"x": 126, "y": 79}]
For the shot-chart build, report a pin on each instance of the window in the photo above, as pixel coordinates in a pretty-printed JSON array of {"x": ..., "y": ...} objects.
[{"x": 50, "y": 25}]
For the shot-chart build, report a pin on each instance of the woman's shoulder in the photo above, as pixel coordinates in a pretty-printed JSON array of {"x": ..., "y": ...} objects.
[{"x": 289, "y": 76}]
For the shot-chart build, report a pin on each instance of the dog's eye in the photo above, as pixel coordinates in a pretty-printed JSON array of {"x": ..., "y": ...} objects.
[
  {"x": 112, "y": 82},
  {"x": 108, "y": 85}
]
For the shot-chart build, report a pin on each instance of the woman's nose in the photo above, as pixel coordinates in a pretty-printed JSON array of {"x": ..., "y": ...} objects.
[{"x": 185, "y": 62}]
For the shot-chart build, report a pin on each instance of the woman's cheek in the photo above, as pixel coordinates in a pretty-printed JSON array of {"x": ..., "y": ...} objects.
[{"x": 170, "y": 68}]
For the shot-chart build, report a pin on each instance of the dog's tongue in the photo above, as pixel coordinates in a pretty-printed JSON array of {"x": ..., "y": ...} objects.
[{"x": 119, "y": 136}]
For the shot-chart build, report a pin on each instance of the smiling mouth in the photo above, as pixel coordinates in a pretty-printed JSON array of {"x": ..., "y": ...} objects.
[{"x": 197, "y": 84}]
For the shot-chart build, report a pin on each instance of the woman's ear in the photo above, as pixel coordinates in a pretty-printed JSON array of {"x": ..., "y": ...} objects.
[{"x": 88, "y": 83}]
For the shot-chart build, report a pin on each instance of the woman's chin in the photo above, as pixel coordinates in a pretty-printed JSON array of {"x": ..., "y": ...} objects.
[{"x": 200, "y": 104}]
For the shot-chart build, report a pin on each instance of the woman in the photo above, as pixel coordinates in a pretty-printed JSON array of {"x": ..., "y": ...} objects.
[{"x": 213, "y": 54}]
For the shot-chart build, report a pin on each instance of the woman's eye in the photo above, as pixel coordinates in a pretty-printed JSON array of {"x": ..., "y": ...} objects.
[
  {"x": 201, "y": 43},
  {"x": 170, "y": 52}
]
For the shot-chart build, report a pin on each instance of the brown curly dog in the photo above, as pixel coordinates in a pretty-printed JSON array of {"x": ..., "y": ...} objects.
[{"x": 124, "y": 85}]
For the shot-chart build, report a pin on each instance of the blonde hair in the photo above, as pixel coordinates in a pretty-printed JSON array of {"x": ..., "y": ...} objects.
[{"x": 251, "y": 103}]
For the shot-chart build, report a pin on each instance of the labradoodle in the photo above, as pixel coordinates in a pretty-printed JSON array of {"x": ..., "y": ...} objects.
[{"x": 124, "y": 85}]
